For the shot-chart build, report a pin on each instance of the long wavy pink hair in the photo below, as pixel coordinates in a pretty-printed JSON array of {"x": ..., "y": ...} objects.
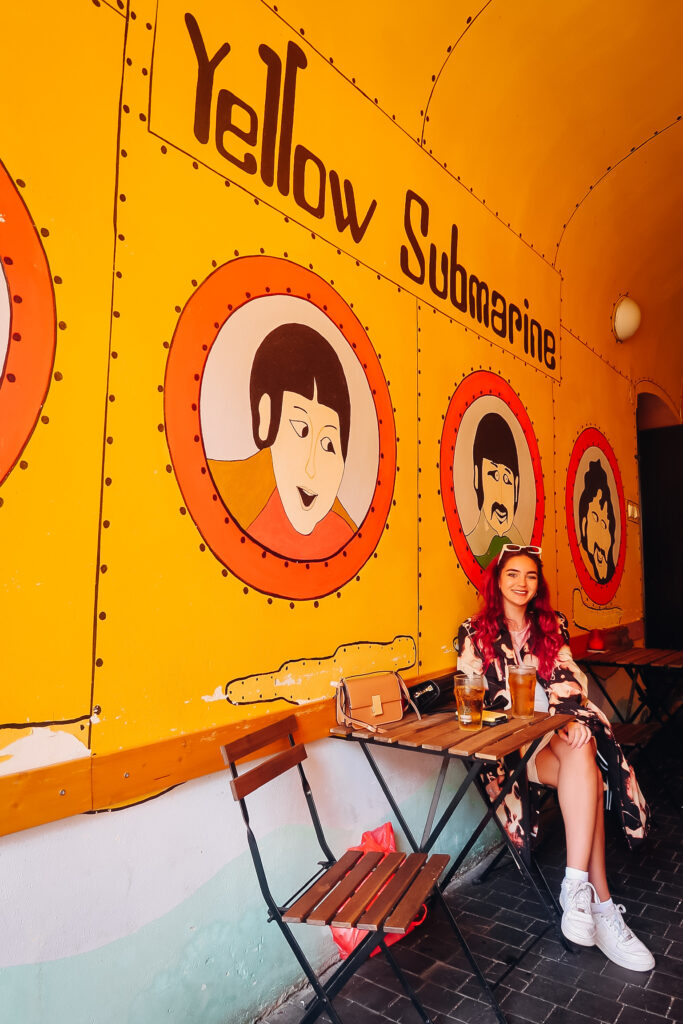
[{"x": 545, "y": 639}]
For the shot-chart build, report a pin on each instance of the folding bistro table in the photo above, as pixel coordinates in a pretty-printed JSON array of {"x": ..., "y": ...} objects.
[
  {"x": 440, "y": 736},
  {"x": 636, "y": 662}
]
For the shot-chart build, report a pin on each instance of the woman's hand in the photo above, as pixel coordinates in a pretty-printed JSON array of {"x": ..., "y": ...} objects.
[{"x": 575, "y": 734}]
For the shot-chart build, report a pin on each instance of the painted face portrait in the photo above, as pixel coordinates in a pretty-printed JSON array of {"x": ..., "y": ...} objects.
[
  {"x": 597, "y": 522},
  {"x": 498, "y": 487},
  {"x": 307, "y": 458},
  {"x": 496, "y": 483}
]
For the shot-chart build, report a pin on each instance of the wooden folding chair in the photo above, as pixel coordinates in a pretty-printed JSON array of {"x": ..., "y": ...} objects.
[{"x": 376, "y": 893}]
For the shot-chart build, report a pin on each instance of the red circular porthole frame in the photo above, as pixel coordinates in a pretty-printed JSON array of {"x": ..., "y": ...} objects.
[
  {"x": 32, "y": 328},
  {"x": 227, "y": 289},
  {"x": 476, "y": 385},
  {"x": 601, "y": 593}
]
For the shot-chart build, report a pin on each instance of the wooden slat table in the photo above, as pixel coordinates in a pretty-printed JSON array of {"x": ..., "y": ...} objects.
[
  {"x": 439, "y": 735},
  {"x": 636, "y": 661}
]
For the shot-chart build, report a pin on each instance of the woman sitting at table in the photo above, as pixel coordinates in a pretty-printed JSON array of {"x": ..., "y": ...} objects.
[{"x": 517, "y": 625}]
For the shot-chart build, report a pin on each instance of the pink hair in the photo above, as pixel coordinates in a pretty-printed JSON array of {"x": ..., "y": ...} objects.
[{"x": 545, "y": 638}]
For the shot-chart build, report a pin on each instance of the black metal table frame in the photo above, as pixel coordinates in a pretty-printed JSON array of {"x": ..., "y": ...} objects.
[
  {"x": 638, "y": 686},
  {"x": 525, "y": 861}
]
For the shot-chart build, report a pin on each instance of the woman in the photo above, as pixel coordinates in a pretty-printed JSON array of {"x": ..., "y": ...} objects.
[{"x": 517, "y": 625}]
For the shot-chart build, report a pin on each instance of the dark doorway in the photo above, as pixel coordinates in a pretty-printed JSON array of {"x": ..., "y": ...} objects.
[{"x": 660, "y": 463}]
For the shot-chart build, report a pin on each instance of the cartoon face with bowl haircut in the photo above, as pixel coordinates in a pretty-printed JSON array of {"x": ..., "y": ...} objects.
[{"x": 300, "y": 411}]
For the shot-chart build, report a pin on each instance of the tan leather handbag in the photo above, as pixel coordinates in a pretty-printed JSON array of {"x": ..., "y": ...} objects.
[{"x": 371, "y": 701}]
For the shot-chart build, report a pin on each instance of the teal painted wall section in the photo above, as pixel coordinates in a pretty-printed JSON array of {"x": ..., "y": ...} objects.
[{"x": 214, "y": 958}]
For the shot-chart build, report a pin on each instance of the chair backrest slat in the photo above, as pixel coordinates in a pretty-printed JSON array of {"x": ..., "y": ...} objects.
[
  {"x": 265, "y": 772},
  {"x": 257, "y": 738}
]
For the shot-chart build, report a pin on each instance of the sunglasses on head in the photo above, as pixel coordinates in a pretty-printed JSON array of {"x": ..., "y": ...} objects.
[{"x": 533, "y": 549}]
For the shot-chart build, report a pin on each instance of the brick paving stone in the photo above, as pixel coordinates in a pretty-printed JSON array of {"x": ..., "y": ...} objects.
[
  {"x": 670, "y": 984},
  {"x": 512, "y": 936},
  {"x": 675, "y": 930},
  {"x": 661, "y": 899},
  {"x": 640, "y": 978},
  {"x": 375, "y": 997},
  {"x": 595, "y": 1006},
  {"x": 657, "y": 914},
  {"x": 568, "y": 973},
  {"x": 528, "y": 1007},
  {"x": 378, "y": 970},
  {"x": 675, "y": 950},
  {"x": 676, "y": 1010},
  {"x": 355, "y": 1013},
  {"x": 470, "y": 1011},
  {"x": 600, "y": 984},
  {"x": 435, "y": 997},
  {"x": 412, "y": 960},
  {"x": 447, "y": 976},
  {"x": 549, "y": 948},
  {"x": 562, "y": 1015},
  {"x": 646, "y": 999},
  {"x": 636, "y": 1015},
  {"x": 647, "y": 884},
  {"x": 552, "y": 990}
]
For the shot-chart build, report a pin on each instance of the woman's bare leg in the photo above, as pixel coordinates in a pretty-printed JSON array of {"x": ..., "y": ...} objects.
[
  {"x": 575, "y": 775},
  {"x": 596, "y": 865}
]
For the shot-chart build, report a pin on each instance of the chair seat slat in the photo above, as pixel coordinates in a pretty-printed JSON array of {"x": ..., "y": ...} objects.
[
  {"x": 386, "y": 901},
  {"x": 327, "y": 908},
  {"x": 303, "y": 906},
  {"x": 364, "y": 895},
  {"x": 400, "y": 919}
]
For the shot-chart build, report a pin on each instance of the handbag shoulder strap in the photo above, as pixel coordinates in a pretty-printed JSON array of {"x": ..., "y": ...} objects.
[{"x": 406, "y": 693}]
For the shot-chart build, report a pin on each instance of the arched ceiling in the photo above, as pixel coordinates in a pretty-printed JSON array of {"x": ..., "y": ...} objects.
[{"x": 564, "y": 118}]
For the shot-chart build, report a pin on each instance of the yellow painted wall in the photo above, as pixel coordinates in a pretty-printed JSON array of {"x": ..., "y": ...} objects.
[{"x": 128, "y": 611}]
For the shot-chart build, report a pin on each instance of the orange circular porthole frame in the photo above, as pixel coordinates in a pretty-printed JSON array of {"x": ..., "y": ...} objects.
[
  {"x": 32, "y": 325},
  {"x": 477, "y": 385},
  {"x": 226, "y": 290},
  {"x": 601, "y": 593}
]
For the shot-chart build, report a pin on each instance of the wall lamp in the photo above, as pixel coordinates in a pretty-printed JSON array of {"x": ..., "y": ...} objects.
[{"x": 625, "y": 318}]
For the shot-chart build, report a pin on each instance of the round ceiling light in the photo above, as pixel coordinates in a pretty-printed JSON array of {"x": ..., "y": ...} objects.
[{"x": 626, "y": 319}]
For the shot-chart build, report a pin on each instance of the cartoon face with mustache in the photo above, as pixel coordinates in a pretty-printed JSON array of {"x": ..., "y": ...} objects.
[
  {"x": 596, "y": 537},
  {"x": 498, "y": 486},
  {"x": 597, "y": 522}
]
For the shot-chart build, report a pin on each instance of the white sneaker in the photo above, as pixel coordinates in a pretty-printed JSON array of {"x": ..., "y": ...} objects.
[
  {"x": 616, "y": 940},
  {"x": 578, "y": 923}
]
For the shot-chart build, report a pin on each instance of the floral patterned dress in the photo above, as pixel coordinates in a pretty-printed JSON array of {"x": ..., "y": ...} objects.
[{"x": 566, "y": 691}]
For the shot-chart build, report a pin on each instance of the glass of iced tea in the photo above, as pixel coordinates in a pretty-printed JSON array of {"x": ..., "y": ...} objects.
[
  {"x": 522, "y": 682},
  {"x": 469, "y": 698}
]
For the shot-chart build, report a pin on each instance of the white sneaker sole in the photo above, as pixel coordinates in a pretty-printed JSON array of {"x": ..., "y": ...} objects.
[{"x": 624, "y": 962}]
